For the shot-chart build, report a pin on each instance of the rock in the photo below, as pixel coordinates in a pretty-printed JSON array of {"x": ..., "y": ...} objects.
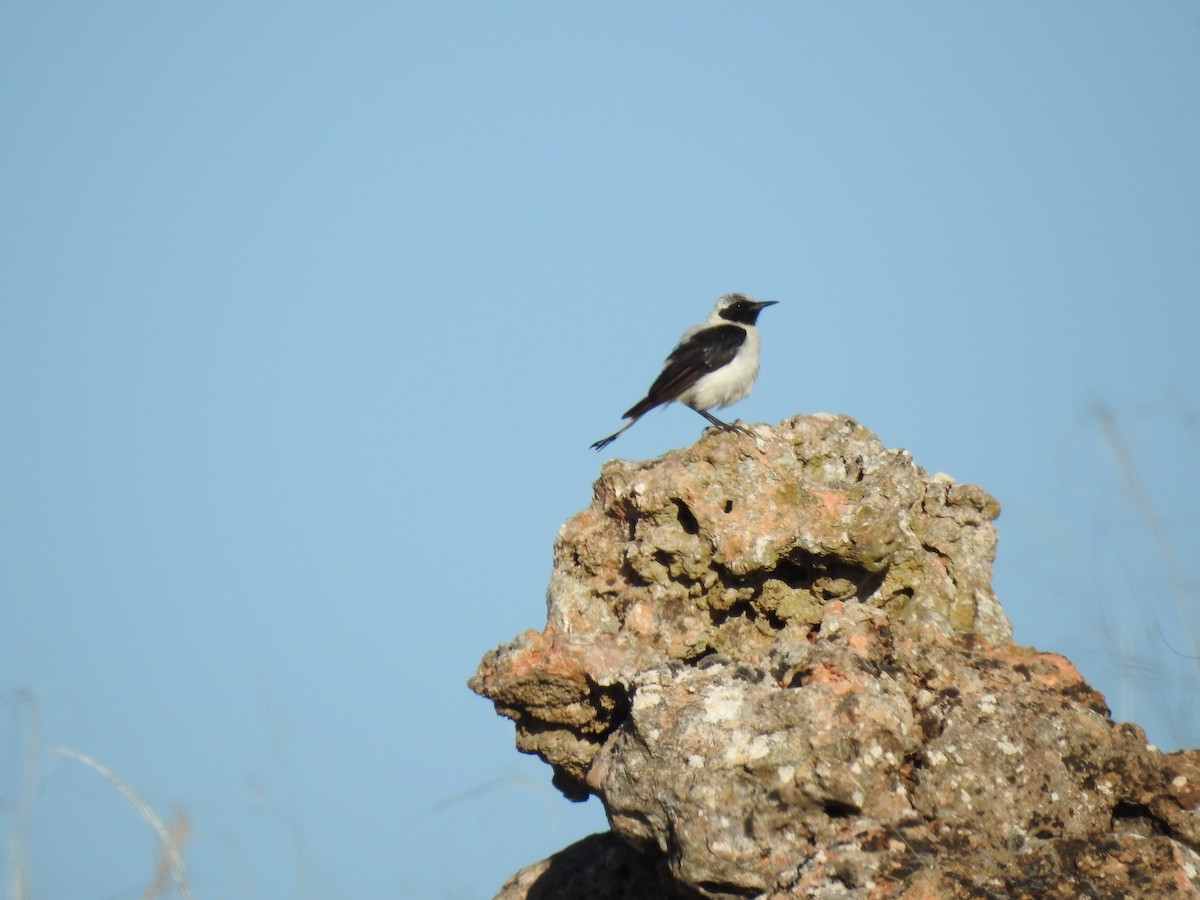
[
  {"x": 778, "y": 661},
  {"x": 600, "y": 867}
]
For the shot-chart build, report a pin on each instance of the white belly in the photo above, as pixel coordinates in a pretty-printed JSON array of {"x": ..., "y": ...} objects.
[{"x": 730, "y": 384}]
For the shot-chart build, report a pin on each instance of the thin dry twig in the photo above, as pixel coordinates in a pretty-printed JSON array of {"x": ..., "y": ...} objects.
[
  {"x": 19, "y": 837},
  {"x": 178, "y": 831},
  {"x": 172, "y": 839}
]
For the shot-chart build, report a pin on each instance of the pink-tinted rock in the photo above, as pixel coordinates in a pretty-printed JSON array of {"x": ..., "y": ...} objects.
[{"x": 778, "y": 662}]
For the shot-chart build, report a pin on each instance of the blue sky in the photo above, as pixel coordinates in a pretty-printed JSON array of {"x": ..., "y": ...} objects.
[{"x": 309, "y": 314}]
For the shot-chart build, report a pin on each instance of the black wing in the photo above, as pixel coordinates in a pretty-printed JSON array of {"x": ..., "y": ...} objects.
[{"x": 703, "y": 352}]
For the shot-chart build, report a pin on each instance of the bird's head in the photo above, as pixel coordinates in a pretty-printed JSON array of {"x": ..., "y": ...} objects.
[{"x": 739, "y": 308}]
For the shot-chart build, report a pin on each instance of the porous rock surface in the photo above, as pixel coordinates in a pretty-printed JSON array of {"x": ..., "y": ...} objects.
[{"x": 777, "y": 660}]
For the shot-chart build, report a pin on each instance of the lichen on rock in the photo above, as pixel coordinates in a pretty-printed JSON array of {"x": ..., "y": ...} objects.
[{"x": 778, "y": 661}]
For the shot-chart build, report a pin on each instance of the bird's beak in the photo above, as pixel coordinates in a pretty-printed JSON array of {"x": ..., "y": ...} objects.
[{"x": 764, "y": 303}]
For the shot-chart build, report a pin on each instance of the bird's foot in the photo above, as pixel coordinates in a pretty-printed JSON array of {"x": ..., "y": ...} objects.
[
  {"x": 738, "y": 428},
  {"x": 735, "y": 426},
  {"x": 719, "y": 425}
]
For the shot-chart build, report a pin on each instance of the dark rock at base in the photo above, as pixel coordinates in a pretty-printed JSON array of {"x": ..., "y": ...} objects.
[{"x": 599, "y": 867}]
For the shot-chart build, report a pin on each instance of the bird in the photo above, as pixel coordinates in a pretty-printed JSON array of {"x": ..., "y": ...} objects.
[{"x": 714, "y": 365}]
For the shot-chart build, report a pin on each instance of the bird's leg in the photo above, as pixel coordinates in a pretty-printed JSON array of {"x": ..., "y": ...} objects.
[
  {"x": 725, "y": 425},
  {"x": 712, "y": 418}
]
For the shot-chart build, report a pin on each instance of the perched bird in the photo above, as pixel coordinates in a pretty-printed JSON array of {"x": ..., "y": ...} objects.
[{"x": 714, "y": 365}]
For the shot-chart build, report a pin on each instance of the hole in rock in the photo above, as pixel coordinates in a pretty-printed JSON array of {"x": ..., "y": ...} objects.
[
  {"x": 838, "y": 809},
  {"x": 1140, "y": 813},
  {"x": 743, "y": 608},
  {"x": 828, "y": 577},
  {"x": 705, "y": 658},
  {"x": 746, "y": 610},
  {"x": 825, "y": 577},
  {"x": 687, "y": 521}
]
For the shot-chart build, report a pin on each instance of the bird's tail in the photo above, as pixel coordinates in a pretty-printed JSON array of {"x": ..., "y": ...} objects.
[
  {"x": 604, "y": 442},
  {"x": 634, "y": 413},
  {"x": 640, "y": 408}
]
